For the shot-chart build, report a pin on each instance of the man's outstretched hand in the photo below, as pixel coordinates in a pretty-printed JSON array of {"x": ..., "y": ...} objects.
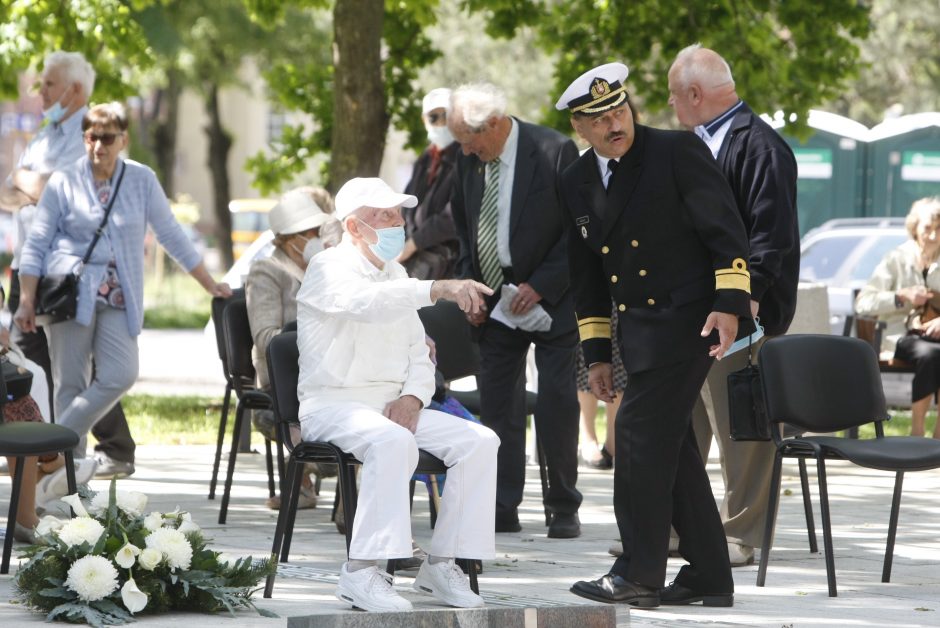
[{"x": 468, "y": 294}]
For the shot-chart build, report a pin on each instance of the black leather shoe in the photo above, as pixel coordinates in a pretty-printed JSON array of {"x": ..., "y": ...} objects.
[
  {"x": 612, "y": 588},
  {"x": 676, "y": 594},
  {"x": 508, "y": 524},
  {"x": 564, "y": 526}
]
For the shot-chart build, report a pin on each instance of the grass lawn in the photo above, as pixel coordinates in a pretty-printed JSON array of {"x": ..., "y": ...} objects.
[
  {"x": 175, "y": 301},
  {"x": 161, "y": 420}
]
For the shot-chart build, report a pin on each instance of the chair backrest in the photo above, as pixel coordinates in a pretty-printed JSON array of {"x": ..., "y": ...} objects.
[
  {"x": 458, "y": 355},
  {"x": 238, "y": 344},
  {"x": 283, "y": 371},
  {"x": 821, "y": 383},
  {"x": 218, "y": 308}
]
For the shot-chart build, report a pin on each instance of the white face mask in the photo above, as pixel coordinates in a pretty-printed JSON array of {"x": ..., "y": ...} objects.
[
  {"x": 439, "y": 136},
  {"x": 311, "y": 248}
]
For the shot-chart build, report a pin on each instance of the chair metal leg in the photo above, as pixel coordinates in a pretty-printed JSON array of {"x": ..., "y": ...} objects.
[
  {"x": 350, "y": 496},
  {"x": 17, "y": 480},
  {"x": 391, "y": 566},
  {"x": 233, "y": 453},
  {"x": 434, "y": 501},
  {"x": 278, "y": 538},
  {"x": 290, "y": 503},
  {"x": 771, "y": 521},
  {"x": 269, "y": 463},
  {"x": 226, "y": 400},
  {"x": 827, "y": 525},
  {"x": 281, "y": 470},
  {"x": 808, "y": 508},
  {"x": 470, "y": 567},
  {"x": 892, "y": 526},
  {"x": 543, "y": 473},
  {"x": 70, "y": 473}
]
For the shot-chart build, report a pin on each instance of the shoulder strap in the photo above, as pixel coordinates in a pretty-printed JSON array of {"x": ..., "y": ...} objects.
[{"x": 104, "y": 221}]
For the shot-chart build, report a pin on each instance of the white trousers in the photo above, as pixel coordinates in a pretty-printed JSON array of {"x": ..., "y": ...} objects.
[{"x": 389, "y": 455}]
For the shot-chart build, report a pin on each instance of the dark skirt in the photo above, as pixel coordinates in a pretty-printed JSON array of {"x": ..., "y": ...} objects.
[{"x": 925, "y": 355}]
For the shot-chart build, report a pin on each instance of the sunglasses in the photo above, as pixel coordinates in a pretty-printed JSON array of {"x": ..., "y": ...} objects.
[
  {"x": 106, "y": 139},
  {"x": 433, "y": 118}
]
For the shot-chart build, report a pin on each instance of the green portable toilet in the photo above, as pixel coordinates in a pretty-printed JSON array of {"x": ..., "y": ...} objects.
[
  {"x": 831, "y": 168},
  {"x": 903, "y": 163}
]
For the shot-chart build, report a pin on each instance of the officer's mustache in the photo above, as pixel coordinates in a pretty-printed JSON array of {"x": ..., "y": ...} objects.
[{"x": 614, "y": 135}]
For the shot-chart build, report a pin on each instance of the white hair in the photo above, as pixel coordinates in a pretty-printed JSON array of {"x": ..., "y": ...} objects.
[
  {"x": 476, "y": 103},
  {"x": 709, "y": 70},
  {"x": 75, "y": 68}
]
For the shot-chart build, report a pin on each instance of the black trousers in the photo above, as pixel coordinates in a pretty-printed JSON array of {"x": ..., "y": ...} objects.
[
  {"x": 502, "y": 402},
  {"x": 112, "y": 431},
  {"x": 660, "y": 479}
]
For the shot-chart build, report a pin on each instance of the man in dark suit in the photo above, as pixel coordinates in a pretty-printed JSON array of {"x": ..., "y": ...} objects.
[
  {"x": 653, "y": 226},
  {"x": 511, "y": 229},
  {"x": 761, "y": 169}
]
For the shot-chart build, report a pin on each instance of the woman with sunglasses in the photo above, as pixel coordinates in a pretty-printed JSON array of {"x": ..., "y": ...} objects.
[{"x": 110, "y": 299}]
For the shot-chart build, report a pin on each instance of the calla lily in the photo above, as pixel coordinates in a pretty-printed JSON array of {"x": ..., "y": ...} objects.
[
  {"x": 75, "y": 502},
  {"x": 187, "y": 527},
  {"x": 127, "y": 555},
  {"x": 48, "y": 524},
  {"x": 134, "y": 599}
]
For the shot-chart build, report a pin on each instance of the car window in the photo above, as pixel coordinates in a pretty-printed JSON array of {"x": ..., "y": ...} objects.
[
  {"x": 876, "y": 252},
  {"x": 822, "y": 259}
]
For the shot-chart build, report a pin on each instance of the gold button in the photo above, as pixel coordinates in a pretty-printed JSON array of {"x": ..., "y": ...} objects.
[
  {"x": 634, "y": 243},
  {"x": 651, "y": 301},
  {"x": 605, "y": 250},
  {"x": 622, "y": 307},
  {"x": 613, "y": 279},
  {"x": 642, "y": 273}
]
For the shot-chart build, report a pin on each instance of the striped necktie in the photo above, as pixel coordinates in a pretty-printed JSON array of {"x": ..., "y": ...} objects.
[{"x": 486, "y": 229}]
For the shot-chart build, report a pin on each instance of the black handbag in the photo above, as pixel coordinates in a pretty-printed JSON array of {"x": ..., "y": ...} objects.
[
  {"x": 57, "y": 295},
  {"x": 17, "y": 380},
  {"x": 748, "y": 415}
]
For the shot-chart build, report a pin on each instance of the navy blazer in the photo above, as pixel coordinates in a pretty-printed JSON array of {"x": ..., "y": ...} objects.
[
  {"x": 665, "y": 242},
  {"x": 761, "y": 169},
  {"x": 537, "y": 221}
]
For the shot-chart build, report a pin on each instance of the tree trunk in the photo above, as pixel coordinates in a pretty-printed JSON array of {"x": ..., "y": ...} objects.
[
  {"x": 164, "y": 131},
  {"x": 220, "y": 142},
  {"x": 360, "y": 119}
]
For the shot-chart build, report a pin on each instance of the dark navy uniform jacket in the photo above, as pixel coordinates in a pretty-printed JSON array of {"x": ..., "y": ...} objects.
[{"x": 666, "y": 242}]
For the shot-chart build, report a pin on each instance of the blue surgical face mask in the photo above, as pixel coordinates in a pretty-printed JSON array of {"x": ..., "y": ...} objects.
[
  {"x": 55, "y": 113},
  {"x": 391, "y": 242}
]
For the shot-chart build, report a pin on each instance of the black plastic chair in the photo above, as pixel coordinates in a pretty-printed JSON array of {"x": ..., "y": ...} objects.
[
  {"x": 22, "y": 440},
  {"x": 826, "y": 384},
  {"x": 241, "y": 371},
  {"x": 458, "y": 355},
  {"x": 218, "y": 307},
  {"x": 284, "y": 370}
]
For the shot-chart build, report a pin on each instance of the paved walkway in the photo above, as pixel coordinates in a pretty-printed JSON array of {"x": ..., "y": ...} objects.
[{"x": 532, "y": 570}]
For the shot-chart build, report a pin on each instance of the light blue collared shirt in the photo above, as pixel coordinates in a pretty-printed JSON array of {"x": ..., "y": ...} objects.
[{"x": 68, "y": 215}]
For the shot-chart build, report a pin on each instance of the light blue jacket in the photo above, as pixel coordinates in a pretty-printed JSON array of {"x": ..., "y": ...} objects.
[{"x": 68, "y": 215}]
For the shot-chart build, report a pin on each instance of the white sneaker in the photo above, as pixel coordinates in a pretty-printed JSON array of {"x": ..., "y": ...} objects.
[
  {"x": 447, "y": 582},
  {"x": 370, "y": 590},
  {"x": 55, "y": 485}
]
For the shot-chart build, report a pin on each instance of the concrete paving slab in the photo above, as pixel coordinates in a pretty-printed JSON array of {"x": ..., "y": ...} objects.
[{"x": 535, "y": 572}]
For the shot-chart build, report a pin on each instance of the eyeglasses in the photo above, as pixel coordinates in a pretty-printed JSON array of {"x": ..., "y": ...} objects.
[
  {"x": 433, "y": 118},
  {"x": 106, "y": 139}
]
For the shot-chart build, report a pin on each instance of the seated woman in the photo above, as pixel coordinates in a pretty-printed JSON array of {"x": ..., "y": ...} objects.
[
  {"x": 900, "y": 293},
  {"x": 110, "y": 295},
  {"x": 300, "y": 221}
]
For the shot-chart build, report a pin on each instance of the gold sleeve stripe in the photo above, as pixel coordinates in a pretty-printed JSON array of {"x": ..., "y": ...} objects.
[
  {"x": 735, "y": 278},
  {"x": 594, "y": 319},
  {"x": 590, "y": 331}
]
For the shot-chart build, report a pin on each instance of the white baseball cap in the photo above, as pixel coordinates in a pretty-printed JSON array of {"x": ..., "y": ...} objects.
[
  {"x": 295, "y": 212},
  {"x": 369, "y": 192},
  {"x": 436, "y": 99}
]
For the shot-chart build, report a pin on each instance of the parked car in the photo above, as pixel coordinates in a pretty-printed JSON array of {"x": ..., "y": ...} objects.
[
  {"x": 843, "y": 253},
  {"x": 249, "y": 220}
]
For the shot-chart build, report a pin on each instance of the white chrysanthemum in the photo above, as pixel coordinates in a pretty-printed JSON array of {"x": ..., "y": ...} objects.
[
  {"x": 153, "y": 521},
  {"x": 134, "y": 599},
  {"x": 92, "y": 578},
  {"x": 130, "y": 502},
  {"x": 80, "y": 530},
  {"x": 127, "y": 555},
  {"x": 188, "y": 527},
  {"x": 48, "y": 524},
  {"x": 149, "y": 558},
  {"x": 173, "y": 545}
]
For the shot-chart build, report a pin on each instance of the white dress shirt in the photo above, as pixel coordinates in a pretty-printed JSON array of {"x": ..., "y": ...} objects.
[
  {"x": 358, "y": 332},
  {"x": 507, "y": 169},
  {"x": 603, "y": 165},
  {"x": 713, "y": 133}
]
